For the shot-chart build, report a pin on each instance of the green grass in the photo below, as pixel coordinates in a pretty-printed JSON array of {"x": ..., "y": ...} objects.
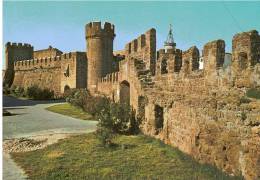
[
  {"x": 133, "y": 157},
  {"x": 69, "y": 110}
]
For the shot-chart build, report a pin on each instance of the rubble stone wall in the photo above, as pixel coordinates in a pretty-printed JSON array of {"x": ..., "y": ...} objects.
[{"x": 202, "y": 112}]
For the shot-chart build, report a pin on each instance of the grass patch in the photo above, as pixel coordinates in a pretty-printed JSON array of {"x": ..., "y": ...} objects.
[
  {"x": 133, "y": 157},
  {"x": 69, "y": 110}
]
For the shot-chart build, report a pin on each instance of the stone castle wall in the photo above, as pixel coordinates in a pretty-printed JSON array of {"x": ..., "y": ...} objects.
[
  {"x": 50, "y": 52},
  {"x": 53, "y": 73},
  {"x": 199, "y": 111}
]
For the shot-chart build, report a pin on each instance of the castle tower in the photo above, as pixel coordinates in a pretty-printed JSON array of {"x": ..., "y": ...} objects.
[
  {"x": 15, "y": 52},
  {"x": 169, "y": 43},
  {"x": 99, "y": 52}
]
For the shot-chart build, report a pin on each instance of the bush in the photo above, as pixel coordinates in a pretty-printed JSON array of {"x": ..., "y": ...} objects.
[
  {"x": 37, "y": 93},
  {"x": 253, "y": 93},
  {"x": 19, "y": 92},
  {"x": 105, "y": 136},
  {"x": 117, "y": 117},
  {"x": 113, "y": 118},
  {"x": 95, "y": 104},
  {"x": 77, "y": 97}
]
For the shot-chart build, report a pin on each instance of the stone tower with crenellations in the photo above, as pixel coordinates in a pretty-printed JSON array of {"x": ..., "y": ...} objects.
[
  {"x": 15, "y": 52},
  {"x": 99, "y": 52}
]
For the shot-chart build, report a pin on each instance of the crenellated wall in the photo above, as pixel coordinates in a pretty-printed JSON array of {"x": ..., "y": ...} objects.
[
  {"x": 144, "y": 48},
  {"x": 53, "y": 73},
  {"x": 200, "y": 111},
  {"x": 108, "y": 85},
  {"x": 13, "y": 53}
]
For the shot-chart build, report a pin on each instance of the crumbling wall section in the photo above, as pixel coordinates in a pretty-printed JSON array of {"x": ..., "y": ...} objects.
[
  {"x": 144, "y": 48},
  {"x": 245, "y": 56},
  {"x": 50, "y": 52}
]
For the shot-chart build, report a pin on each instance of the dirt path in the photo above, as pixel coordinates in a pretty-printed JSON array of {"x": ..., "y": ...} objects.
[{"x": 32, "y": 127}]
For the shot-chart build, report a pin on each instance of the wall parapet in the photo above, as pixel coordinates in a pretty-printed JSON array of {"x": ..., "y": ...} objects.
[
  {"x": 18, "y": 45},
  {"x": 110, "y": 78},
  {"x": 46, "y": 62},
  {"x": 95, "y": 29},
  {"x": 143, "y": 48}
]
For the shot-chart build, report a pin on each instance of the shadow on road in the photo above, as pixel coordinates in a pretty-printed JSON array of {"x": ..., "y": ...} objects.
[{"x": 9, "y": 101}]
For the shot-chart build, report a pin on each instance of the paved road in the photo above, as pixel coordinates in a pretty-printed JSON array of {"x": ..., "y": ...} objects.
[{"x": 31, "y": 119}]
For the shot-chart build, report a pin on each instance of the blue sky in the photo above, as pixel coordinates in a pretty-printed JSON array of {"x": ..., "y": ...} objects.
[{"x": 61, "y": 24}]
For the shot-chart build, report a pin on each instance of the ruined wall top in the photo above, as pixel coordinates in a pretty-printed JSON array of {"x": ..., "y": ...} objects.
[
  {"x": 246, "y": 49},
  {"x": 95, "y": 29},
  {"x": 49, "y": 52}
]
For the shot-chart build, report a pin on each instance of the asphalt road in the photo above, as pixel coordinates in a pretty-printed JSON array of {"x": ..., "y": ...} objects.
[{"x": 31, "y": 119}]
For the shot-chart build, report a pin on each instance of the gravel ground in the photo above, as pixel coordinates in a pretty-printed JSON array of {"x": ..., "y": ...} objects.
[{"x": 32, "y": 127}]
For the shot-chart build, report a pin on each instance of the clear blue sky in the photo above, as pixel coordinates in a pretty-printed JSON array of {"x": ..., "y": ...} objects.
[{"x": 61, "y": 24}]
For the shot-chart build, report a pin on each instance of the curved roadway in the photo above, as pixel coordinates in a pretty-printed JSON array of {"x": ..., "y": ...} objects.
[{"x": 30, "y": 118}]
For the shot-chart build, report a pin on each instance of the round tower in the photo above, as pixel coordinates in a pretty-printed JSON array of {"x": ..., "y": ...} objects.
[{"x": 99, "y": 52}]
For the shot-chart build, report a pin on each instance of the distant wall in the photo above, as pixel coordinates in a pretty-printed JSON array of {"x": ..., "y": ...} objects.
[
  {"x": 50, "y": 52},
  {"x": 52, "y": 73}
]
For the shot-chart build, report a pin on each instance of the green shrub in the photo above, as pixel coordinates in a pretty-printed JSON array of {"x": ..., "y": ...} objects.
[
  {"x": 253, "y": 93},
  {"x": 118, "y": 118},
  {"x": 77, "y": 97},
  {"x": 95, "y": 104},
  {"x": 113, "y": 118},
  {"x": 37, "y": 93},
  {"x": 19, "y": 92},
  {"x": 105, "y": 136}
]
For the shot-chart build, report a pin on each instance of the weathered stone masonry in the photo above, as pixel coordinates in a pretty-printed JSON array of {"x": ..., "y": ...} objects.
[{"x": 200, "y": 111}]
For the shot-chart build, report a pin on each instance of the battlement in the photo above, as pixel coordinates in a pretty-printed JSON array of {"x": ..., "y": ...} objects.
[
  {"x": 143, "y": 48},
  {"x": 190, "y": 60},
  {"x": 95, "y": 29},
  {"x": 140, "y": 43},
  {"x": 214, "y": 55},
  {"x": 246, "y": 49},
  {"x": 18, "y": 45},
  {"x": 46, "y": 62},
  {"x": 110, "y": 78}
]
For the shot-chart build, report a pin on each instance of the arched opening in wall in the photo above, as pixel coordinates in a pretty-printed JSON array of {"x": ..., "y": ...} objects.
[
  {"x": 164, "y": 66},
  {"x": 124, "y": 94},
  {"x": 242, "y": 60},
  {"x": 158, "y": 112},
  {"x": 66, "y": 89}
]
